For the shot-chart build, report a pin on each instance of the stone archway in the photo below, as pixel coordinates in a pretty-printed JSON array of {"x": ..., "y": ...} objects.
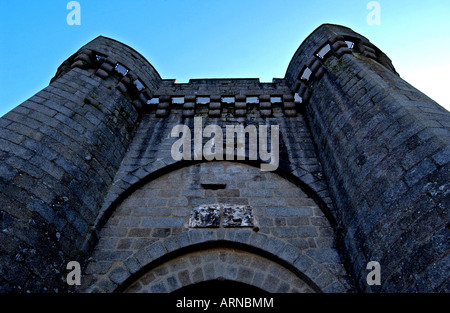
[
  {"x": 219, "y": 264},
  {"x": 151, "y": 227}
]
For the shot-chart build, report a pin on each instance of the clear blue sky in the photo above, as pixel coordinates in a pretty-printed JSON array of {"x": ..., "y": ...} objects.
[{"x": 186, "y": 39}]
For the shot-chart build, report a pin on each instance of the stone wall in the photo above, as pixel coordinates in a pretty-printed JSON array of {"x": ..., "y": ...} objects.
[
  {"x": 151, "y": 226},
  {"x": 87, "y": 175}
]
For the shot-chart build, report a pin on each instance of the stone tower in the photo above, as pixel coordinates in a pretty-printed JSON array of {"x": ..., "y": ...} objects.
[{"x": 87, "y": 174}]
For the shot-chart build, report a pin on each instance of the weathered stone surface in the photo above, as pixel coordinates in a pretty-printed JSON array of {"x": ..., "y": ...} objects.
[
  {"x": 238, "y": 216},
  {"x": 229, "y": 267},
  {"x": 205, "y": 216},
  {"x": 224, "y": 215}
]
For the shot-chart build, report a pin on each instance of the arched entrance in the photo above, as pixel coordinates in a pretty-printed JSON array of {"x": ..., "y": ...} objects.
[
  {"x": 149, "y": 243},
  {"x": 221, "y": 267}
]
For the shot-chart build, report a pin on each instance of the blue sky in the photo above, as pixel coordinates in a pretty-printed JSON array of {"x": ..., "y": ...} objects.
[{"x": 186, "y": 39}]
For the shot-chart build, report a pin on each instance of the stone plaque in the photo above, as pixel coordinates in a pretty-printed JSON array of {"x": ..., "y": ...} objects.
[
  {"x": 205, "y": 216},
  {"x": 238, "y": 216},
  {"x": 225, "y": 215}
]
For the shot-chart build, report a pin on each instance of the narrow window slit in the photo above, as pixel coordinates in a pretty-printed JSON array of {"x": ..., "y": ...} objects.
[{"x": 214, "y": 186}]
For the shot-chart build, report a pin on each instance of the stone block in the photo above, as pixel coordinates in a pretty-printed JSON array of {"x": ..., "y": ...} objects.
[
  {"x": 290, "y": 113},
  {"x": 196, "y": 236},
  {"x": 158, "y": 287},
  {"x": 271, "y": 283},
  {"x": 306, "y": 231},
  {"x": 266, "y": 113},
  {"x": 118, "y": 275},
  {"x": 188, "y": 113},
  {"x": 156, "y": 250},
  {"x": 171, "y": 244},
  {"x": 189, "y": 105},
  {"x": 300, "y": 211},
  {"x": 183, "y": 239},
  {"x": 240, "y": 113},
  {"x": 162, "y": 113},
  {"x": 265, "y": 105},
  {"x": 289, "y": 105},
  {"x": 273, "y": 245},
  {"x": 162, "y": 222},
  {"x": 421, "y": 170},
  {"x": 215, "y": 106},
  {"x": 214, "y": 113}
]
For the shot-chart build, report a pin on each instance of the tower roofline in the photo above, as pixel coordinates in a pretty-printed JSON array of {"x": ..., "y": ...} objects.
[
  {"x": 129, "y": 47},
  {"x": 336, "y": 36}
]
